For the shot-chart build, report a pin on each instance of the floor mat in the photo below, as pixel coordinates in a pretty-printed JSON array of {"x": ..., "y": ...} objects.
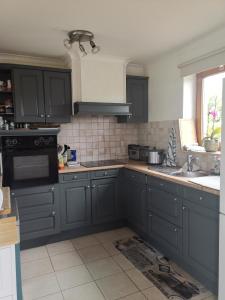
[{"x": 165, "y": 275}]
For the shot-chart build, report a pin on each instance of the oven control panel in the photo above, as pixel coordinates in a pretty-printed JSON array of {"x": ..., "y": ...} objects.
[{"x": 28, "y": 142}]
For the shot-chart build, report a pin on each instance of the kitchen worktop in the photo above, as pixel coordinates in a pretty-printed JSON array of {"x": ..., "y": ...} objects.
[
  {"x": 144, "y": 168},
  {"x": 9, "y": 234}
]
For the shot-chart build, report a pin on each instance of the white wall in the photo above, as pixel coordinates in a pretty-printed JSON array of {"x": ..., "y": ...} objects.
[{"x": 166, "y": 84}]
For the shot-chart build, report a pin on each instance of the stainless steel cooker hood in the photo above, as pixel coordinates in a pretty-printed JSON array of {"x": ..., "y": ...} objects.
[{"x": 102, "y": 108}]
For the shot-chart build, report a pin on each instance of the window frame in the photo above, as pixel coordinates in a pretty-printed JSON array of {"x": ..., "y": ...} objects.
[{"x": 199, "y": 85}]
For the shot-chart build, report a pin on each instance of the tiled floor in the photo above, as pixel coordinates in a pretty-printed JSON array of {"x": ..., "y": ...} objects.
[{"x": 86, "y": 268}]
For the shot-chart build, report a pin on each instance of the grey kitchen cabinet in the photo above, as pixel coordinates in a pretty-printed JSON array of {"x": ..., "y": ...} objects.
[
  {"x": 28, "y": 95},
  {"x": 57, "y": 90},
  {"x": 41, "y": 95},
  {"x": 201, "y": 242},
  {"x": 39, "y": 211},
  {"x": 137, "y": 95},
  {"x": 104, "y": 200},
  {"x": 166, "y": 236},
  {"x": 135, "y": 187},
  {"x": 75, "y": 204}
]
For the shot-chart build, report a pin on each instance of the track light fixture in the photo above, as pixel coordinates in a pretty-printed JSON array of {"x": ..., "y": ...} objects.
[{"x": 81, "y": 36}]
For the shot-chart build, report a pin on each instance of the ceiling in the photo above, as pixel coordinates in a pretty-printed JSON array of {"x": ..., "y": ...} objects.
[{"x": 137, "y": 29}]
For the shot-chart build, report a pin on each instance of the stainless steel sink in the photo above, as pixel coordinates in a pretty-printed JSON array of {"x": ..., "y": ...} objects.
[{"x": 189, "y": 174}]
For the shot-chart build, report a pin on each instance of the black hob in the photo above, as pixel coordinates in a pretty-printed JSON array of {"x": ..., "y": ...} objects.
[{"x": 103, "y": 163}]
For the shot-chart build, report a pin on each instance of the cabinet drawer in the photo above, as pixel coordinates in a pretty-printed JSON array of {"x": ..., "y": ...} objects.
[
  {"x": 30, "y": 213},
  {"x": 136, "y": 176},
  {"x": 37, "y": 225},
  {"x": 73, "y": 177},
  {"x": 202, "y": 198},
  {"x": 164, "y": 185},
  {"x": 164, "y": 235},
  {"x": 165, "y": 205},
  {"x": 105, "y": 173}
]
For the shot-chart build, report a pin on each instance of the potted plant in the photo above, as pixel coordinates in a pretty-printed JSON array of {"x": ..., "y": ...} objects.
[{"x": 211, "y": 141}]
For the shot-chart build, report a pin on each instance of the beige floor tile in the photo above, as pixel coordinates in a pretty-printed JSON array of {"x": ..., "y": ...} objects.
[
  {"x": 33, "y": 254},
  {"x": 103, "y": 267},
  {"x": 85, "y": 241},
  {"x": 139, "y": 279},
  {"x": 72, "y": 277},
  {"x": 154, "y": 294},
  {"x": 106, "y": 236},
  {"x": 36, "y": 268},
  {"x": 136, "y": 296},
  {"x": 93, "y": 253},
  {"x": 59, "y": 247},
  {"x": 66, "y": 260},
  {"x": 116, "y": 286},
  {"x": 123, "y": 262},
  {"x": 40, "y": 286},
  {"x": 57, "y": 296},
  {"x": 110, "y": 248},
  {"x": 84, "y": 292}
]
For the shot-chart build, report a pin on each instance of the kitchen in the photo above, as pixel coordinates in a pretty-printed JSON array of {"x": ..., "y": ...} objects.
[{"x": 107, "y": 190}]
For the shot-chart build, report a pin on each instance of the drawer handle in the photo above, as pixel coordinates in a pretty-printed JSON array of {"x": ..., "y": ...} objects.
[
  {"x": 52, "y": 188},
  {"x": 88, "y": 186},
  {"x": 150, "y": 215},
  {"x": 184, "y": 208},
  {"x": 42, "y": 116},
  {"x": 53, "y": 213},
  {"x": 75, "y": 177},
  {"x": 93, "y": 186},
  {"x": 48, "y": 116},
  {"x": 175, "y": 230},
  {"x": 106, "y": 173},
  {"x": 12, "y": 194},
  {"x": 149, "y": 189},
  {"x": 161, "y": 184},
  {"x": 175, "y": 199},
  {"x": 200, "y": 198}
]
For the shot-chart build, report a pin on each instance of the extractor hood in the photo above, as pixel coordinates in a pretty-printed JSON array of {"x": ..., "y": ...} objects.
[
  {"x": 102, "y": 108},
  {"x": 98, "y": 84}
]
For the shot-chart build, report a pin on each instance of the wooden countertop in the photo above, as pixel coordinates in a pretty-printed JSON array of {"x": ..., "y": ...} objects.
[
  {"x": 143, "y": 168},
  {"x": 9, "y": 233}
]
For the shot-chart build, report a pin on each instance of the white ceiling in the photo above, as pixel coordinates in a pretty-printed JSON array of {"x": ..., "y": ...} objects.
[{"x": 138, "y": 29}]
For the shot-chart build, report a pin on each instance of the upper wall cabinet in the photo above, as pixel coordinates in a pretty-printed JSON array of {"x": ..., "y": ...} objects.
[
  {"x": 42, "y": 95},
  {"x": 137, "y": 95}
]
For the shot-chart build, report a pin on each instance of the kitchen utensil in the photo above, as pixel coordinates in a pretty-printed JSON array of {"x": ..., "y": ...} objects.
[{"x": 155, "y": 156}]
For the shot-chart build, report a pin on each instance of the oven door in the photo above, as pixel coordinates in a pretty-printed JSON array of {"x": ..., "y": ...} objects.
[{"x": 26, "y": 168}]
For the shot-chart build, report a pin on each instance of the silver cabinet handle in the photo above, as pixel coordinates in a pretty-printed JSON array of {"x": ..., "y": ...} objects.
[
  {"x": 12, "y": 194},
  {"x": 175, "y": 199},
  {"x": 150, "y": 215},
  {"x": 88, "y": 186},
  {"x": 106, "y": 173},
  {"x": 53, "y": 213},
  {"x": 52, "y": 188},
  {"x": 184, "y": 208},
  {"x": 75, "y": 177},
  {"x": 42, "y": 116},
  {"x": 175, "y": 230},
  {"x": 161, "y": 184},
  {"x": 200, "y": 198},
  {"x": 93, "y": 186},
  {"x": 149, "y": 189},
  {"x": 48, "y": 116}
]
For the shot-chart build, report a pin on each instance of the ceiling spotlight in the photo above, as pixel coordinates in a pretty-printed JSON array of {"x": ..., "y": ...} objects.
[
  {"x": 82, "y": 49},
  {"x": 95, "y": 48},
  {"x": 81, "y": 36}
]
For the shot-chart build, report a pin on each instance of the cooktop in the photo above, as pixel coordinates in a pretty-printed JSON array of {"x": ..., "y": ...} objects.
[{"x": 102, "y": 163}]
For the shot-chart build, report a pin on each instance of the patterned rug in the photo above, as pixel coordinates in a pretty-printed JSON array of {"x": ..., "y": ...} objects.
[{"x": 163, "y": 273}]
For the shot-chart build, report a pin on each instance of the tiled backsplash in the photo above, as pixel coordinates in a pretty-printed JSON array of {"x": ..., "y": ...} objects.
[{"x": 100, "y": 138}]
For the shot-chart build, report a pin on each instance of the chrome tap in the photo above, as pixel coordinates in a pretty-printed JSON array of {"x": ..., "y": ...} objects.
[{"x": 190, "y": 160}]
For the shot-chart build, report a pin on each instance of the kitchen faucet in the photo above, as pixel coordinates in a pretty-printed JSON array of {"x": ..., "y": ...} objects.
[{"x": 190, "y": 161}]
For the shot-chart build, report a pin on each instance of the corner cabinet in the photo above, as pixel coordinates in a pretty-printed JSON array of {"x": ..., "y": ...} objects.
[
  {"x": 42, "y": 95},
  {"x": 137, "y": 95}
]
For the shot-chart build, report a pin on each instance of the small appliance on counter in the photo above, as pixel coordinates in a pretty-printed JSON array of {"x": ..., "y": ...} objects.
[
  {"x": 144, "y": 153},
  {"x": 134, "y": 152},
  {"x": 155, "y": 156}
]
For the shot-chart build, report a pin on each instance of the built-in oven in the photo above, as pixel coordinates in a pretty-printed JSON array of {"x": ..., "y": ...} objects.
[{"x": 29, "y": 160}]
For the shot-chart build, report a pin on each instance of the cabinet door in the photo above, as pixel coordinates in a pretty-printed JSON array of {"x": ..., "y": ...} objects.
[
  {"x": 165, "y": 205},
  {"x": 136, "y": 205},
  {"x": 137, "y": 95},
  {"x": 38, "y": 211},
  {"x": 58, "y": 99},
  {"x": 164, "y": 235},
  {"x": 75, "y": 204},
  {"x": 28, "y": 95},
  {"x": 104, "y": 199},
  {"x": 200, "y": 242}
]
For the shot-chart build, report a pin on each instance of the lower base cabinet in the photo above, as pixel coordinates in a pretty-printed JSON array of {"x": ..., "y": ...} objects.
[
  {"x": 104, "y": 200},
  {"x": 75, "y": 205},
  {"x": 39, "y": 211},
  {"x": 200, "y": 243}
]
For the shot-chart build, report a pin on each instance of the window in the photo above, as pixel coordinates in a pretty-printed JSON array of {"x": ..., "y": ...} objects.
[{"x": 209, "y": 103}]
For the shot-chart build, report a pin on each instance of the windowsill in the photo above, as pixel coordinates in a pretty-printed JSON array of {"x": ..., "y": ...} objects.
[{"x": 202, "y": 152}]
